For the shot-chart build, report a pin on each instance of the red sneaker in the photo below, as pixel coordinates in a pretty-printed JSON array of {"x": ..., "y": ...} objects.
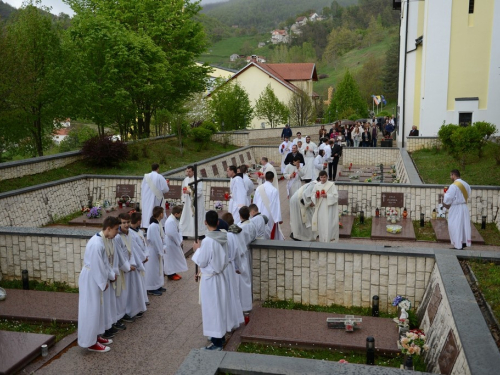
[
  {"x": 102, "y": 340},
  {"x": 178, "y": 276},
  {"x": 97, "y": 347}
]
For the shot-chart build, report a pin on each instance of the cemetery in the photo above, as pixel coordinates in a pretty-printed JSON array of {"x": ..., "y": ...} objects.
[{"x": 351, "y": 273}]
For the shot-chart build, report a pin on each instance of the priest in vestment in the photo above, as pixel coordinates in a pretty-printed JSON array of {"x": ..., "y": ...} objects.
[
  {"x": 455, "y": 199},
  {"x": 301, "y": 213},
  {"x": 267, "y": 200},
  {"x": 174, "y": 259},
  {"x": 325, "y": 220},
  {"x": 153, "y": 187},
  {"x": 238, "y": 192},
  {"x": 293, "y": 174},
  {"x": 285, "y": 148},
  {"x": 186, "y": 225},
  {"x": 212, "y": 258},
  {"x": 310, "y": 151},
  {"x": 249, "y": 185},
  {"x": 267, "y": 167}
]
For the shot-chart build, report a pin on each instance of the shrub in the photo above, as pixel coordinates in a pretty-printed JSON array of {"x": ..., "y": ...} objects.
[
  {"x": 210, "y": 126},
  {"x": 103, "y": 151},
  {"x": 445, "y": 132},
  {"x": 486, "y": 129},
  {"x": 76, "y": 138},
  {"x": 354, "y": 117},
  {"x": 201, "y": 136},
  {"x": 465, "y": 141},
  {"x": 383, "y": 113}
]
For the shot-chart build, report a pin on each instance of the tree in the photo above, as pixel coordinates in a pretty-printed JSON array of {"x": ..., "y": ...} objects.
[
  {"x": 270, "y": 108},
  {"x": 466, "y": 140},
  {"x": 301, "y": 108},
  {"x": 230, "y": 106},
  {"x": 346, "y": 100},
  {"x": 369, "y": 78},
  {"x": 390, "y": 76},
  {"x": 340, "y": 41},
  {"x": 31, "y": 61}
]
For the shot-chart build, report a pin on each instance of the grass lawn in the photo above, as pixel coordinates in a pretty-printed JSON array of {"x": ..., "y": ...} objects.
[
  {"x": 488, "y": 277},
  {"x": 141, "y": 156},
  {"x": 426, "y": 233},
  {"x": 361, "y": 230},
  {"x": 327, "y": 355},
  {"x": 59, "y": 330},
  {"x": 218, "y": 53},
  {"x": 491, "y": 234},
  {"x": 434, "y": 167}
]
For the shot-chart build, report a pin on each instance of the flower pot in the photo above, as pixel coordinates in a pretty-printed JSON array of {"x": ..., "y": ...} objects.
[
  {"x": 120, "y": 204},
  {"x": 393, "y": 220}
]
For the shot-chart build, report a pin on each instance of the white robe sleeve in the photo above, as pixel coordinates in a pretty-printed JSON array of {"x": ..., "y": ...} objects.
[
  {"x": 122, "y": 253},
  {"x": 202, "y": 256},
  {"x": 172, "y": 233},
  {"x": 98, "y": 269},
  {"x": 154, "y": 239}
]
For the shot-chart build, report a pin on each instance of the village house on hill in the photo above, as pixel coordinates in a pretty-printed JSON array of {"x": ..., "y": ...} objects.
[
  {"x": 279, "y": 36},
  {"x": 285, "y": 80}
]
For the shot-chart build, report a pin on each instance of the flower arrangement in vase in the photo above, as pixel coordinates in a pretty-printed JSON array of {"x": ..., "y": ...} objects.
[
  {"x": 392, "y": 215},
  {"x": 412, "y": 344},
  {"x": 94, "y": 213}
]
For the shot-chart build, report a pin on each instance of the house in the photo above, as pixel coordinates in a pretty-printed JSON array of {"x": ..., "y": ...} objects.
[
  {"x": 295, "y": 29},
  {"x": 59, "y": 135},
  {"x": 259, "y": 59},
  {"x": 301, "y": 21},
  {"x": 279, "y": 36},
  {"x": 448, "y": 65},
  {"x": 285, "y": 80},
  {"x": 234, "y": 57},
  {"x": 217, "y": 72},
  {"x": 313, "y": 17},
  {"x": 261, "y": 44}
]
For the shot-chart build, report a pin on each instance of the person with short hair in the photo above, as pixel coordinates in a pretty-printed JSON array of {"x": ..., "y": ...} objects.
[
  {"x": 94, "y": 279},
  {"x": 325, "y": 219},
  {"x": 174, "y": 259},
  {"x": 260, "y": 223},
  {"x": 243, "y": 169},
  {"x": 211, "y": 257},
  {"x": 186, "y": 224},
  {"x": 268, "y": 200},
  {"x": 298, "y": 138},
  {"x": 154, "y": 267},
  {"x": 295, "y": 153},
  {"x": 267, "y": 167},
  {"x": 455, "y": 199},
  {"x": 238, "y": 192},
  {"x": 413, "y": 131},
  {"x": 310, "y": 151},
  {"x": 293, "y": 174},
  {"x": 139, "y": 247},
  {"x": 248, "y": 235},
  {"x": 284, "y": 149},
  {"x": 154, "y": 185},
  {"x": 286, "y": 132},
  {"x": 336, "y": 155}
]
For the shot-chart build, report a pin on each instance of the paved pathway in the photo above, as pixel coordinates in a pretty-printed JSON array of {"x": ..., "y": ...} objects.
[{"x": 159, "y": 342}]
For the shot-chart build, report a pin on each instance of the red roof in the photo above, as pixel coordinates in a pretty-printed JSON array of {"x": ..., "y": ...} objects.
[
  {"x": 62, "y": 131},
  {"x": 294, "y": 71}
]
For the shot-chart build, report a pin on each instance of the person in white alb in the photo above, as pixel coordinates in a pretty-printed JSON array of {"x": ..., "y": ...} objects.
[
  {"x": 248, "y": 235},
  {"x": 243, "y": 169},
  {"x": 238, "y": 192},
  {"x": 310, "y": 150},
  {"x": 153, "y": 187},
  {"x": 298, "y": 138},
  {"x": 267, "y": 167},
  {"x": 320, "y": 163},
  {"x": 267, "y": 200},
  {"x": 293, "y": 174},
  {"x": 284, "y": 149},
  {"x": 455, "y": 199},
  {"x": 154, "y": 267},
  {"x": 301, "y": 213},
  {"x": 174, "y": 259},
  {"x": 325, "y": 220},
  {"x": 186, "y": 225}
]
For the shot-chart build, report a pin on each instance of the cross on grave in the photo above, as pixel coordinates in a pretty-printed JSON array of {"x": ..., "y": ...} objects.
[{"x": 348, "y": 323}]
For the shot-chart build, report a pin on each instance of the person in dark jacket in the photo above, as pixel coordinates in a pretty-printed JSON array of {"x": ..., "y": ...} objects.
[
  {"x": 336, "y": 154},
  {"x": 287, "y": 132},
  {"x": 295, "y": 152},
  {"x": 414, "y": 131}
]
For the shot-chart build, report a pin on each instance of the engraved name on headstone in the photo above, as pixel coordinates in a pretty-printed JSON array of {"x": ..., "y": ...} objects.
[
  {"x": 434, "y": 303},
  {"x": 217, "y": 193},
  {"x": 343, "y": 197},
  {"x": 449, "y": 354},
  {"x": 392, "y": 200},
  {"x": 125, "y": 189},
  {"x": 174, "y": 192},
  {"x": 215, "y": 170},
  {"x": 242, "y": 159}
]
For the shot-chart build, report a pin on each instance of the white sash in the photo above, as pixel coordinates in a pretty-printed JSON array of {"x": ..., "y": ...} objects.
[
  {"x": 154, "y": 189},
  {"x": 265, "y": 199},
  {"x": 318, "y": 204}
]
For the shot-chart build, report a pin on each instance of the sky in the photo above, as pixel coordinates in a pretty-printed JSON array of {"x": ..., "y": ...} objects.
[{"x": 58, "y": 6}]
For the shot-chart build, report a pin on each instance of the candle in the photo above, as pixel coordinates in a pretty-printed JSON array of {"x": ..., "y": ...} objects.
[
  {"x": 226, "y": 196},
  {"x": 317, "y": 193},
  {"x": 323, "y": 192},
  {"x": 445, "y": 189}
]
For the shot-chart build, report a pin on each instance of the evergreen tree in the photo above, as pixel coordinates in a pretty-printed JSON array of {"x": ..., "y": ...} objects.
[
  {"x": 391, "y": 71},
  {"x": 270, "y": 108},
  {"x": 346, "y": 100}
]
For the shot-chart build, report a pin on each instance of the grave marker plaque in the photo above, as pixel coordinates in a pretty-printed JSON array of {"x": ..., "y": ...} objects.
[
  {"x": 224, "y": 165},
  {"x": 440, "y": 198},
  {"x": 215, "y": 170},
  {"x": 343, "y": 197},
  {"x": 249, "y": 157},
  {"x": 217, "y": 193},
  {"x": 233, "y": 160},
  {"x": 174, "y": 192},
  {"x": 242, "y": 159},
  {"x": 392, "y": 200},
  {"x": 122, "y": 190},
  {"x": 448, "y": 355},
  {"x": 434, "y": 303},
  {"x": 203, "y": 172}
]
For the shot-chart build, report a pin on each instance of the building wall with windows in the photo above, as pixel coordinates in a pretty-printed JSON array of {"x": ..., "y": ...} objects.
[{"x": 449, "y": 64}]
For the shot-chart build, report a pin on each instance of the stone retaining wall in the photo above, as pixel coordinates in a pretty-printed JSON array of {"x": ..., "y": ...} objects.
[
  {"x": 321, "y": 274},
  {"x": 417, "y": 143},
  {"x": 370, "y": 155},
  {"x": 239, "y": 138}
]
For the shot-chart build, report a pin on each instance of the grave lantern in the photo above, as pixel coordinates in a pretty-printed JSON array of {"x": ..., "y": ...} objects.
[
  {"x": 422, "y": 221},
  {"x": 26, "y": 280},
  {"x": 370, "y": 350},
  {"x": 483, "y": 222},
  {"x": 362, "y": 217},
  {"x": 434, "y": 214},
  {"x": 375, "y": 303},
  {"x": 377, "y": 212}
]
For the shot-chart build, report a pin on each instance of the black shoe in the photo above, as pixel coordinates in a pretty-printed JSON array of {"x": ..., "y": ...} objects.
[
  {"x": 161, "y": 289},
  {"x": 112, "y": 330},
  {"x": 148, "y": 303},
  {"x": 154, "y": 293},
  {"x": 139, "y": 315},
  {"x": 128, "y": 319},
  {"x": 120, "y": 326},
  {"x": 107, "y": 335}
]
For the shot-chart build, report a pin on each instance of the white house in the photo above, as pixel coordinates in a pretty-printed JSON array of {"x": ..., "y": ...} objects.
[
  {"x": 255, "y": 58},
  {"x": 279, "y": 36},
  {"x": 313, "y": 17},
  {"x": 449, "y": 64},
  {"x": 234, "y": 57},
  {"x": 301, "y": 21},
  {"x": 60, "y": 134}
]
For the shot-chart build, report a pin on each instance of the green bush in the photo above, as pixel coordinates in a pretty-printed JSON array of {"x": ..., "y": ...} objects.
[
  {"x": 383, "y": 114},
  {"x": 486, "y": 129},
  {"x": 201, "y": 136},
  {"x": 210, "y": 126},
  {"x": 76, "y": 138},
  {"x": 103, "y": 151},
  {"x": 354, "y": 117},
  {"x": 465, "y": 141},
  {"x": 445, "y": 132}
]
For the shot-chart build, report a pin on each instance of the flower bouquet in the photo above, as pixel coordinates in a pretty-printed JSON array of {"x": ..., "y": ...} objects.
[
  {"x": 413, "y": 343},
  {"x": 368, "y": 180},
  {"x": 218, "y": 206},
  {"x": 94, "y": 213},
  {"x": 85, "y": 209}
]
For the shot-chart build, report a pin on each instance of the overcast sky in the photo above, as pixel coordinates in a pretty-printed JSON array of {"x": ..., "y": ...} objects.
[{"x": 58, "y": 6}]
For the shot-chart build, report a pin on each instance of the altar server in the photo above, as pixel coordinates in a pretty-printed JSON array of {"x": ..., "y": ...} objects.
[
  {"x": 310, "y": 151},
  {"x": 293, "y": 174},
  {"x": 248, "y": 234},
  {"x": 267, "y": 167},
  {"x": 139, "y": 247},
  {"x": 243, "y": 169},
  {"x": 186, "y": 225},
  {"x": 154, "y": 267},
  {"x": 285, "y": 148},
  {"x": 268, "y": 200},
  {"x": 238, "y": 192},
  {"x": 260, "y": 222},
  {"x": 174, "y": 259}
]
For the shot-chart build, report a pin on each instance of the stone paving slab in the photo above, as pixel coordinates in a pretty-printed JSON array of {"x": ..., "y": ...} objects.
[
  {"x": 347, "y": 223},
  {"x": 440, "y": 227},
  {"x": 309, "y": 329},
  {"x": 17, "y": 349},
  {"x": 35, "y": 305},
  {"x": 379, "y": 230}
]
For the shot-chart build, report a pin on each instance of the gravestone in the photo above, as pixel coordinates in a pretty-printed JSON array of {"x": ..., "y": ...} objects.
[
  {"x": 224, "y": 165},
  {"x": 83, "y": 220},
  {"x": 215, "y": 170},
  {"x": 449, "y": 354},
  {"x": 174, "y": 192},
  {"x": 440, "y": 227},
  {"x": 346, "y": 220},
  {"x": 125, "y": 189},
  {"x": 249, "y": 156},
  {"x": 379, "y": 230},
  {"x": 217, "y": 193},
  {"x": 242, "y": 159},
  {"x": 203, "y": 173},
  {"x": 434, "y": 304},
  {"x": 343, "y": 198},
  {"x": 233, "y": 160},
  {"x": 392, "y": 200}
]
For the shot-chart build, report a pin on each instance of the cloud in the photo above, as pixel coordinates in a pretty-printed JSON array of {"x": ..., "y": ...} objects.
[{"x": 57, "y": 5}]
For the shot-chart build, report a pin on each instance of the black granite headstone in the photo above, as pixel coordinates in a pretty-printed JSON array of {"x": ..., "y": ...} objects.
[{"x": 449, "y": 354}]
